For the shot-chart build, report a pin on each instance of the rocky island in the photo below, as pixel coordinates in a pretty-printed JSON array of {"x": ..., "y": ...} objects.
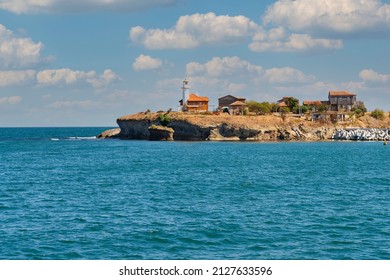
[{"x": 220, "y": 127}]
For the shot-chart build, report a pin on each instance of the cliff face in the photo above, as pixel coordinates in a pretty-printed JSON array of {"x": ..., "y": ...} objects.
[{"x": 224, "y": 127}]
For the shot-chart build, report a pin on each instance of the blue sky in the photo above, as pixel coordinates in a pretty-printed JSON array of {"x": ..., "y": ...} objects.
[{"x": 63, "y": 63}]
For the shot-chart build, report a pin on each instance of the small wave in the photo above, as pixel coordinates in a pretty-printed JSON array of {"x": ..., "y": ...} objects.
[
  {"x": 81, "y": 138},
  {"x": 54, "y": 139}
]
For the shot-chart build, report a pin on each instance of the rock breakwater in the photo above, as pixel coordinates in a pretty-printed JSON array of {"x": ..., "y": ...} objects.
[{"x": 362, "y": 134}]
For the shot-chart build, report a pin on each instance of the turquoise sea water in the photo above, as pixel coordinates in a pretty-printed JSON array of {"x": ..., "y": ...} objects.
[{"x": 67, "y": 195}]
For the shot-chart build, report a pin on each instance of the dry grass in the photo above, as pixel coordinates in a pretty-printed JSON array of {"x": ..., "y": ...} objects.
[{"x": 259, "y": 121}]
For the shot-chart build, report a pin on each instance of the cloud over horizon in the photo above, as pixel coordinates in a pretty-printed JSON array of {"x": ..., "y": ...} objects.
[
  {"x": 10, "y": 100},
  {"x": 15, "y": 78},
  {"x": 67, "y": 77},
  {"x": 72, "y": 6},
  {"x": 369, "y": 75}
]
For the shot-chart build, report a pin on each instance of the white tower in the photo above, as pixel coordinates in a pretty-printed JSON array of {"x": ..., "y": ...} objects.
[{"x": 185, "y": 88}]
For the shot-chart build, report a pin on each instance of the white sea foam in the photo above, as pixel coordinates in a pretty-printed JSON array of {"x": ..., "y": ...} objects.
[{"x": 81, "y": 138}]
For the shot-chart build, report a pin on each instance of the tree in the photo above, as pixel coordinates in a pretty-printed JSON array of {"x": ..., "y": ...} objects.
[
  {"x": 359, "y": 109},
  {"x": 292, "y": 103},
  {"x": 283, "y": 112},
  {"x": 259, "y": 108}
]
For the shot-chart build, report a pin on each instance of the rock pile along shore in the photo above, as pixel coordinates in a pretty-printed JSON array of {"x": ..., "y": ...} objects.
[{"x": 362, "y": 134}]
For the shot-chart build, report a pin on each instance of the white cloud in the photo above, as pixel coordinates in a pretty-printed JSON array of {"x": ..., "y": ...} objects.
[
  {"x": 84, "y": 104},
  {"x": 16, "y": 52},
  {"x": 330, "y": 16},
  {"x": 286, "y": 75},
  {"x": 8, "y": 78},
  {"x": 234, "y": 68},
  {"x": 104, "y": 79},
  {"x": 146, "y": 62},
  {"x": 198, "y": 30},
  {"x": 226, "y": 66},
  {"x": 65, "y": 76},
  {"x": 62, "y": 6},
  {"x": 195, "y": 30},
  {"x": 277, "y": 40},
  {"x": 370, "y": 75},
  {"x": 10, "y": 100}
]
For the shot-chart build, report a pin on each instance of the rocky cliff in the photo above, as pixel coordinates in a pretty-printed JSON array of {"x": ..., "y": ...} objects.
[
  {"x": 219, "y": 128},
  {"x": 182, "y": 126}
]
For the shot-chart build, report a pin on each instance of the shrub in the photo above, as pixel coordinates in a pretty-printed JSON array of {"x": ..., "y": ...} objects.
[
  {"x": 283, "y": 112},
  {"x": 378, "y": 114},
  {"x": 259, "y": 108},
  {"x": 360, "y": 109},
  {"x": 164, "y": 119}
]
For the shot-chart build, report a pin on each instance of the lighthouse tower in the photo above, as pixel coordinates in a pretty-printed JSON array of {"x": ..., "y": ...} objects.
[{"x": 185, "y": 89}]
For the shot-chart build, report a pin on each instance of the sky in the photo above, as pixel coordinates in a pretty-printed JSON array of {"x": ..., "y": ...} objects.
[{"x": 88, "y": 62}]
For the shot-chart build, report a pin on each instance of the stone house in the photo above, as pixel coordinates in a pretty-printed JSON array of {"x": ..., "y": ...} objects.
[{"x": 341, "y": 100}]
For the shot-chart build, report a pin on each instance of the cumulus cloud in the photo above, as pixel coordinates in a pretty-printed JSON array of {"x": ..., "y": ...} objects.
[
  {"x": 286, "y": 75},
  {"x": 10, "y": 100},
  {"x": 63, "y": 6},
  {"x": 196, "y": 30},
  {"x": 225, "y": 66},
  {"x": 192, "y": 31},
  {"x": 62, "y": 76},
  {"x": 370, "y": 75},
  {"x": 278, "y": 40},
  {"x": 231, "y": 68},
  {"x": 104, "y": 79},
  {"x": 65, "y": 76},
  {"x": 8, "y": 78},
  {"x": 146, "y": 62},
  {"x": 17, "y": 52},
  {"x": 84, "y": 104},
  {"x": 330, "y": 16}
]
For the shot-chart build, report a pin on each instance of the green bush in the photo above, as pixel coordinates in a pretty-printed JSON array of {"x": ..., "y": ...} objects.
[
  {"x": 360, "y": 109},
  {"x": 378, "y": 114},
  {"x": 259, "y": 108},
  {"x": 164, "y": 119}
]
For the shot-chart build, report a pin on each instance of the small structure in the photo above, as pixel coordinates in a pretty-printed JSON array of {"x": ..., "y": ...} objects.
[
  {"x": 317, "y": 108},
  {"x": 312, "y": 104},
  {"x": 195, "y": 103},
  {"x": 237, "y": 107},
  {"x": 227, "y": 100},
  {"x": 185, "y": 89},
  {"x": 283, "y": 102}
]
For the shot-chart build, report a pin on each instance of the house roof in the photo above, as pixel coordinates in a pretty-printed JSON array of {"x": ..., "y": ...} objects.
[
  {"x": 238, "y": 103},
  {"x": 283, "y": 99},
  {"x": 238, "y": 98},
  {"x": 311, "y": 102},
  {"x": 341, "y": 93},
  {"x": 194, "y": 97}
]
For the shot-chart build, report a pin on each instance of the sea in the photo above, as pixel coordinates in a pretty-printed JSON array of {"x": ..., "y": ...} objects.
[{"x": 66, "y": 195}]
